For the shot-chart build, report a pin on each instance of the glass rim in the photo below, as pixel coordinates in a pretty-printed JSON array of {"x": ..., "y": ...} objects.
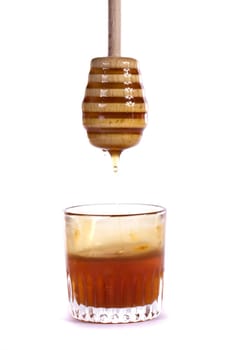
[{"x": 114, "y": 209}]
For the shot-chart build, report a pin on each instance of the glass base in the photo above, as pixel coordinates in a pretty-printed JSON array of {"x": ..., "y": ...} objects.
[{"x": 115, "y": 315}]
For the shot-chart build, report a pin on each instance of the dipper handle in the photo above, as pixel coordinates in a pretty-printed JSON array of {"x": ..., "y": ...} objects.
[{"x": 114, "y": 27}]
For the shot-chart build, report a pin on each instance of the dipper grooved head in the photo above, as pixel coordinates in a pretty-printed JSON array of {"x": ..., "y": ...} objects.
[{"x": 114, "y": 107}]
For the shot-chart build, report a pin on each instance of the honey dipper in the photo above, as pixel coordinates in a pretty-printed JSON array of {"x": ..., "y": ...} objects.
[{"x": 114, "y": 106}]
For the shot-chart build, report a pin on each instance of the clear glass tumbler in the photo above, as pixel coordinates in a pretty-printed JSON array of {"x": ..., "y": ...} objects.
[{"x": 115, "y": 261}]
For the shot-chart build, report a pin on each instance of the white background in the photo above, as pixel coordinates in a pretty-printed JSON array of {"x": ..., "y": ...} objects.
[{"x": 184, "y": 162}]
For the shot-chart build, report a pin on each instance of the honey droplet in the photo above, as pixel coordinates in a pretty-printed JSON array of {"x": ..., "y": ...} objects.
[{"x": 115, "y": 155}]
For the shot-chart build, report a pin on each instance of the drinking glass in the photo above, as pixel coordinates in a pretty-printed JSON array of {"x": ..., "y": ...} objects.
[{"x": 115, "y": 261}]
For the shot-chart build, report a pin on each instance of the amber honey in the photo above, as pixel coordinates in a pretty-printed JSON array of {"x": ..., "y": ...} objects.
[{"x": 116, "y": 282}]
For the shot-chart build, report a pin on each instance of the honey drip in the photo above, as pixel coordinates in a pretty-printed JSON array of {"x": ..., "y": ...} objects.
[{"x": 115, "y": 156}]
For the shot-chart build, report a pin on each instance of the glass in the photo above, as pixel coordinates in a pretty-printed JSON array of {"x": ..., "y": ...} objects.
[{"x": 115, "y": 261}]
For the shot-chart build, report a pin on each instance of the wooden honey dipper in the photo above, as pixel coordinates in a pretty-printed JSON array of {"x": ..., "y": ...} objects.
[{"x": 114, "y": 106}]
